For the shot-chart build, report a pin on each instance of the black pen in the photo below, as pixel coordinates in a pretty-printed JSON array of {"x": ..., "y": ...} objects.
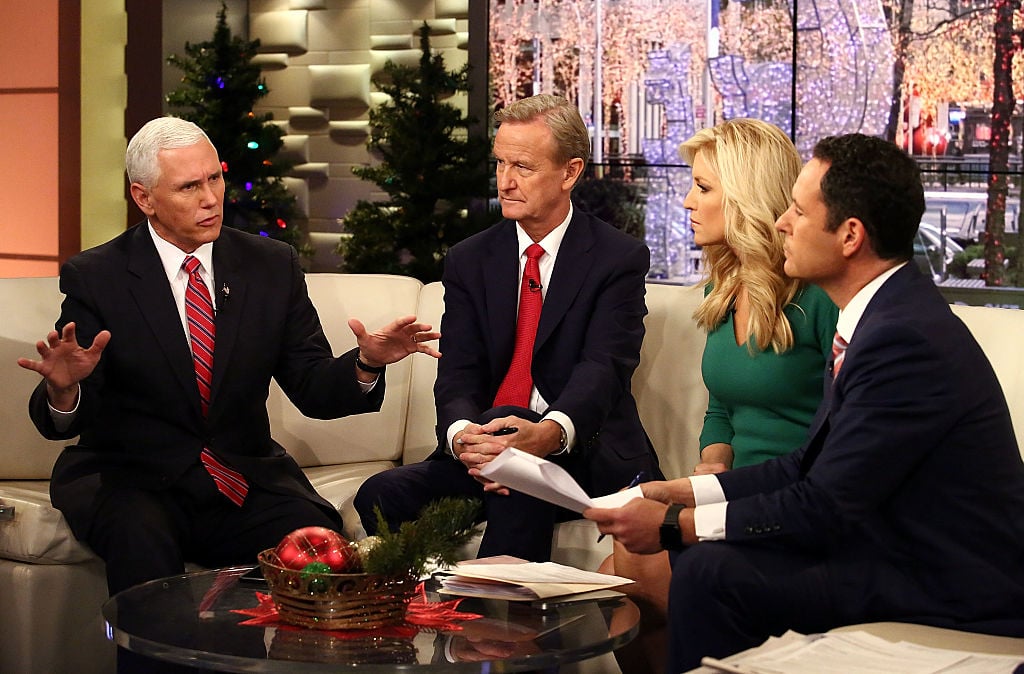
[
  {"x": 632, "y": 483},
  {"x": 506, "y": 430}
]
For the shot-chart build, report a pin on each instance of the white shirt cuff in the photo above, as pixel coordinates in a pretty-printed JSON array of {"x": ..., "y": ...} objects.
[
  {"x": 366, "y": 387},
  {"x": 563, "y": 420},
  {"x": 452, "y": 430},
  {"x": 62, "y": 420},
  {"x": 709, "y": 521},
  {"x": 706, "y": 489},
  {"x": 709, "y": 515}
]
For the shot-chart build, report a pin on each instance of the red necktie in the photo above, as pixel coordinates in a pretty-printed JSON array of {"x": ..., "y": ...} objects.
[
  {"x": 201, "y": 332},
  {"x": 838, "y": 354},
  {"x": 518, "y": 382}
]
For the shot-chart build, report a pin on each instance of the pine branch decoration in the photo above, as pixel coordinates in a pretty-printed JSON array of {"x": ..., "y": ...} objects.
[{"x": 443, "y": 527}]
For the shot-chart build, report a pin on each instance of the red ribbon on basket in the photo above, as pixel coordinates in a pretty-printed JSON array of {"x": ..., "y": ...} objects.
[{"x": 420, "y": 614}]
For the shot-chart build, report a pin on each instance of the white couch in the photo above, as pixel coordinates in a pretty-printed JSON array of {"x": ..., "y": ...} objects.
[{"x": 52, "y": 587}]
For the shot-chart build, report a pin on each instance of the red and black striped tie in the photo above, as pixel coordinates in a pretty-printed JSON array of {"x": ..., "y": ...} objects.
[{"x": 201, "y": 331}]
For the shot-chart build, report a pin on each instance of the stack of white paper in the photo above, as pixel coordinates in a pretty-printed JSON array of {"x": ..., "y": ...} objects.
[
  {"x": 856, "y": 653},
  {"x": 519, "y": 581}
]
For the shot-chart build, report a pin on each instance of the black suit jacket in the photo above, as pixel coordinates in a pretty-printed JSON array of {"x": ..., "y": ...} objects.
[
  {"x": 139, "y": 417},
  {"x": 911, "y": 463},
  {"x": 586, "y": 350}
]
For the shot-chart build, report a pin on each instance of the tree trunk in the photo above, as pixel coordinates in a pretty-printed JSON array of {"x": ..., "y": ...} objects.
[
  {"x": 902, "y": 24},
  {"x": 999, "y": 145}
]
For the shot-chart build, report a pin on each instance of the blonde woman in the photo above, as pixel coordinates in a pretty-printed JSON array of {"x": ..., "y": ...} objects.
[{"x": 768, "y": 335}]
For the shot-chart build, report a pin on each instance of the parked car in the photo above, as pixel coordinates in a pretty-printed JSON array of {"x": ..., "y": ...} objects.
[
  {"x": 965, "y": 212},
  {"x": 928, "y": 251}
]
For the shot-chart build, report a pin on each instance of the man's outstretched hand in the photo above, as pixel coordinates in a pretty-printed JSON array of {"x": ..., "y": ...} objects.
[
  {"x": 64, "y": 364},
  {"x": 394, "y": 341}
]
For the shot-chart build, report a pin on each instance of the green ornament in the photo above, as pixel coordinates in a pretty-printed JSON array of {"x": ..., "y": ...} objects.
[
  {"x": 313, "y": 573},
  {"x": 313, "y": 569}
]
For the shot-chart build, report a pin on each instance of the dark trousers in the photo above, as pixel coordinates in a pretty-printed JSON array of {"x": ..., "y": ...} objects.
[
  {"x": 517, "y": 524},
  {"x": 727, "y": 597},
  {"x": 142, "y": 535}
]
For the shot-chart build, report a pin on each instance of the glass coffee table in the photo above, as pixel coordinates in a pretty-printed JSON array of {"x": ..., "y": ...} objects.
[{"x": 191, "y": 620}]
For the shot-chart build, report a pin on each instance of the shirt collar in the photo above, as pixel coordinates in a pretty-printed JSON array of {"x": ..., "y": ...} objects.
[
  {"x": 171, "y": 257},
  {"x": 549, "y": 243},
  {"x": 850, "y": 316}
]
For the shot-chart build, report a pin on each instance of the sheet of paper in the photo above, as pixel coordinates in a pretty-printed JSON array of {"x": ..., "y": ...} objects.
[
  {"x": 524, "y": 581},
  {"x": 536, "y": 572},
  {"x": 549, "y": 482},
  {"x": 856, "y": 653},
  {"x": 512, "y": 592}
]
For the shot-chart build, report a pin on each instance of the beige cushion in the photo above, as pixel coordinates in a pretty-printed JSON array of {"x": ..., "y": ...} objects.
[
  {"x": 575, "y": 543},
  {"x": 374, "y": 299},
  {"x": 339, "y": 483},
  {"x": 420, "y": 436},
  {"x": 667, "y": 385},
  {"x": 998, "y": 331},
  {"x": 33, "y": 306},
  {"x": 38, "y": 533},
  {"x": 52, "y": 621}
]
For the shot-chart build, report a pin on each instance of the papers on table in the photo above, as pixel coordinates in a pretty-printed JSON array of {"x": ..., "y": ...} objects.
[
  {"x": 518, "y": 580},
  {"x": 855, "y": 653},
  {"x": 549, "y": 482}
]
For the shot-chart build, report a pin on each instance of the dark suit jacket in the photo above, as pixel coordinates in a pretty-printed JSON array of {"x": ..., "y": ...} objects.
[
  {"x": 911, "y": 464},
  {"x": 139, "y": 417},
  {"x": 587, "y": 347}
]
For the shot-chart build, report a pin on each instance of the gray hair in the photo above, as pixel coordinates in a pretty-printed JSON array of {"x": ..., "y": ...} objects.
[
  {"x": 561, "y": 116},
  {"x": 162, "y": 133}
]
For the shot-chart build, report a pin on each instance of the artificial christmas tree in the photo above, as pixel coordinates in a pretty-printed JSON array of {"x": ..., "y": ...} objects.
[
  {"x": 220, "y": 86},
  {"x": 434, "y": 171}
]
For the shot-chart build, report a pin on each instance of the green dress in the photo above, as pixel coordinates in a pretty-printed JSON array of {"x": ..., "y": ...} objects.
[{"x": 762, "y": 404}]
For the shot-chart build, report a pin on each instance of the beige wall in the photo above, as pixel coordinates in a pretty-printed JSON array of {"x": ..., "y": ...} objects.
[
  {"x": 104, "y": 96},
  {"x": 318, "y": 58}
]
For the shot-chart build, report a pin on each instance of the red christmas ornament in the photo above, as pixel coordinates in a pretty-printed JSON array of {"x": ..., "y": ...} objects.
[
  {"x": 281, "y": 223},
  {"x": 317, "y": 544},
  {"x": 224, "y": 166}
]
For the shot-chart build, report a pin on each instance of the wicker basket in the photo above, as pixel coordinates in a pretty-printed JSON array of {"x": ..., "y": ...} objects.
[{"x": 336, "y": 601}]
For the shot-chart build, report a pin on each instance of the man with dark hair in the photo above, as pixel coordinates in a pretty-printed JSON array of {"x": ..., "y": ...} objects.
[
  {"x": 874, "y": 182},
  {"x": 903, "y": 503},
  {"x": 560, "y": 380}
]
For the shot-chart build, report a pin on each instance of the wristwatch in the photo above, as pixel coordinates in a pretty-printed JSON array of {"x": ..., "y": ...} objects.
[
  {"x": 670, "y": 534},
  {"x": 365, "y": 367}
]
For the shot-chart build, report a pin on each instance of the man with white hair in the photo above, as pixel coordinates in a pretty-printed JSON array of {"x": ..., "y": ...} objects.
[{"x": 161, "y": 360}]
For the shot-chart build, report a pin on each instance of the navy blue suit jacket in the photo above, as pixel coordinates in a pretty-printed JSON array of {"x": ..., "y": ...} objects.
[
  {"x": 139, "y": 417},
  {"x": 911, "y": 464},
  {"x": 586, "y": 350}
]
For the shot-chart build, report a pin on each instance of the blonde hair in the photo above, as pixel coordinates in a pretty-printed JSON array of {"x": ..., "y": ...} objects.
[{"x": 756, "y": 164}]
